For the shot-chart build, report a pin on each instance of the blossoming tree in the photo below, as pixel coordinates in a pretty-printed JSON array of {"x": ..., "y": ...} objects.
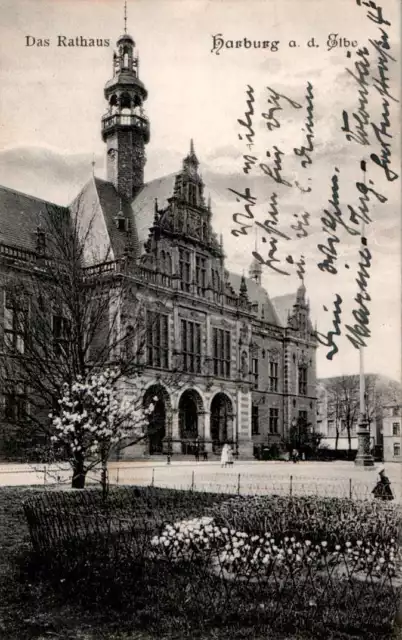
[{"x": 93, "y": 417}]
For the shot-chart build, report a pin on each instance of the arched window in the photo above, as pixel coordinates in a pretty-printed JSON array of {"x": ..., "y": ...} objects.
[
  {"x": 162, "y": 261},
  {"x": 168, "y": 264},
  {"x": 125, "y": 58},
  {"x": 125, "y": 101}
]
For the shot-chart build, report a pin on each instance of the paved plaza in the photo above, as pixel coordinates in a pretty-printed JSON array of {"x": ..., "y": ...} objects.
[{"x": 282, "y": 478}]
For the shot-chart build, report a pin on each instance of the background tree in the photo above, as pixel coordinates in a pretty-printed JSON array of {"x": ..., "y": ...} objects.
[
  {"x": 303, "y": 438},
  {"x": 343, "y": 393}
]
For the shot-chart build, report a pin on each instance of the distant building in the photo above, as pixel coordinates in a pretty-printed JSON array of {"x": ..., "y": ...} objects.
[{"x": 391, "y": 433}]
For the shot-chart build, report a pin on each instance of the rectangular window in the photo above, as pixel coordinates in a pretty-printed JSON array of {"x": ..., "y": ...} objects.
[
  {"x": 15, "y": 318},
  {"x": 254, "y": 365},
  {"x": 273, "y": 376},
  {"x": 221, "y": 345},
  {"x": 15, "y": 403},
  {"x": 395, "y": 411},
  {"x": 191, "y": 346},
  {"x": 255, "y": 425},
  {"x": 200, "y": 274},
  {"x": 396, "y": 430},
  {"x": 397, "y": 449},
  {"x": 157, "y": 340},
  {"x": 185, "y": 269},
  {"x": 273, "y": 420},
  {"x": 302, "y": 381},
  {"x": 61, "y": 335}
]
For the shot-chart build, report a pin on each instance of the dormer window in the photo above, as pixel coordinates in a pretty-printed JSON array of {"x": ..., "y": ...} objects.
[
  {"x": 122, "y": 223},
  {"x": 40, "y": 241}
]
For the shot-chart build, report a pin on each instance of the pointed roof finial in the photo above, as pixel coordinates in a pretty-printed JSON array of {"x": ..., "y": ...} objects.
[
  {"x": 93, "y": 164},
  {"x": 125, "y": 16},
  {"x": 192, "y": 153}
]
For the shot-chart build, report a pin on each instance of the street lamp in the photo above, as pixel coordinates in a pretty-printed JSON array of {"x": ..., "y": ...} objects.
[{"x": 363, "y": 456}]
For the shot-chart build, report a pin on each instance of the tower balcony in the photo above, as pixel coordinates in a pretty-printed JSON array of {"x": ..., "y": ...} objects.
[{"x": 125, "y": 121}]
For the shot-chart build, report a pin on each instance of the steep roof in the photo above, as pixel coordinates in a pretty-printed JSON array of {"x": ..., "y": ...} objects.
[
  {"x": 20, "y": 215},
  {"x": 256, "y": 294},
  {"x": 143, "y": 205},
  {"x": 284, "y": 306}
]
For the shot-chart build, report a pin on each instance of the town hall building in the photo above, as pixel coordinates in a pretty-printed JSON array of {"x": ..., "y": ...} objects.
[{"x": 244, "y": 364}]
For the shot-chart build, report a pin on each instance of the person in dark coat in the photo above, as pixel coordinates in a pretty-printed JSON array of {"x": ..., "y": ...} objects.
[{"x": 382, "y": 490}]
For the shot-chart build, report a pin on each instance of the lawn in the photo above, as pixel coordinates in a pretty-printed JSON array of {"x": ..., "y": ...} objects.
[{"x": 34, "y": 607}]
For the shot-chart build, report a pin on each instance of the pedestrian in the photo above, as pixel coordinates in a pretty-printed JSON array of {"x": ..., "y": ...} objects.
[
  {"x": 230, "y": 456},
  {"x": 382, "y": 490},
  {"x": 197, "y": 450},
  {"x": 224, "y": 455}
]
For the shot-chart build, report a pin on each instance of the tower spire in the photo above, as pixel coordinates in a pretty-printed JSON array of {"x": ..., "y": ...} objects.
[{"x": 125, "y": 127}]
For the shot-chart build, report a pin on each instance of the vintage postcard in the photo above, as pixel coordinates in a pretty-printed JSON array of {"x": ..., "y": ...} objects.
[{"x": 200, "y": 252}]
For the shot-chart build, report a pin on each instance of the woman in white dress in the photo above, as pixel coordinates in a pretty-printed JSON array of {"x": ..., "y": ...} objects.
[{"x": 225, "y": 455}]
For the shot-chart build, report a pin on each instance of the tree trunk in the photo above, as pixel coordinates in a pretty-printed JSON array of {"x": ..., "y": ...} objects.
[
  {"x": 79, "y": 474},
  {"x": 104, "y": 479},
  {"x": 336, "y": 438},
  {"x": 349, "y": 438}
]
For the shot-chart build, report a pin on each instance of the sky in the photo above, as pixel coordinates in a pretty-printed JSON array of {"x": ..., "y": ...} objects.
[{"x": 52, "y": 101}]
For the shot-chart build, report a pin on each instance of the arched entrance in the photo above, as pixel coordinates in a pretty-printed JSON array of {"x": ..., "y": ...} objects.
[
  {"x": 190, "y": 416},
  {"x": 157, "y": 425},
  {"x": 221, "y": 421}
]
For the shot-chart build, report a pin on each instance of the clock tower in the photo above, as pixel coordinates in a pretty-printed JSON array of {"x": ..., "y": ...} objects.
[{"x": 125, "y": 127}]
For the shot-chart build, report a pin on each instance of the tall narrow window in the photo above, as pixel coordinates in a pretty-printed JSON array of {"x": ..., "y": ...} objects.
[
  {"x": 61, "y": 335},
  {"x": 396, "y": 430},
  {"x": 185, "y": 269},
  {"x": 200, "y": 274},
  {"x": 302, "y": 381},
  {"x": 221, "y": 345},
  {"x": 255, "y": 423},
  {"x": 216, "y": 284},
  {"x": 191, "y": 346},
  {"x": 15, "y": 318},
  {"x": 254, "y": 366},
  {"x": 157, "y": 340},
  {"x": 192, "y": 193},
  {"x": 273, "y": 377},
  {"x": 273, "y": 420},
  {"x": 397, "y": 449}
]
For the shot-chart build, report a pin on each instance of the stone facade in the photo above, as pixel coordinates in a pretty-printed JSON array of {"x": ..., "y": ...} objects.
[{"x": 225, "y": 362}]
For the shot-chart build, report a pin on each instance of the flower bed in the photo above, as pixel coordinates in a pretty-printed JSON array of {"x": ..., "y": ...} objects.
[{"x": 242, "y": 554}]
